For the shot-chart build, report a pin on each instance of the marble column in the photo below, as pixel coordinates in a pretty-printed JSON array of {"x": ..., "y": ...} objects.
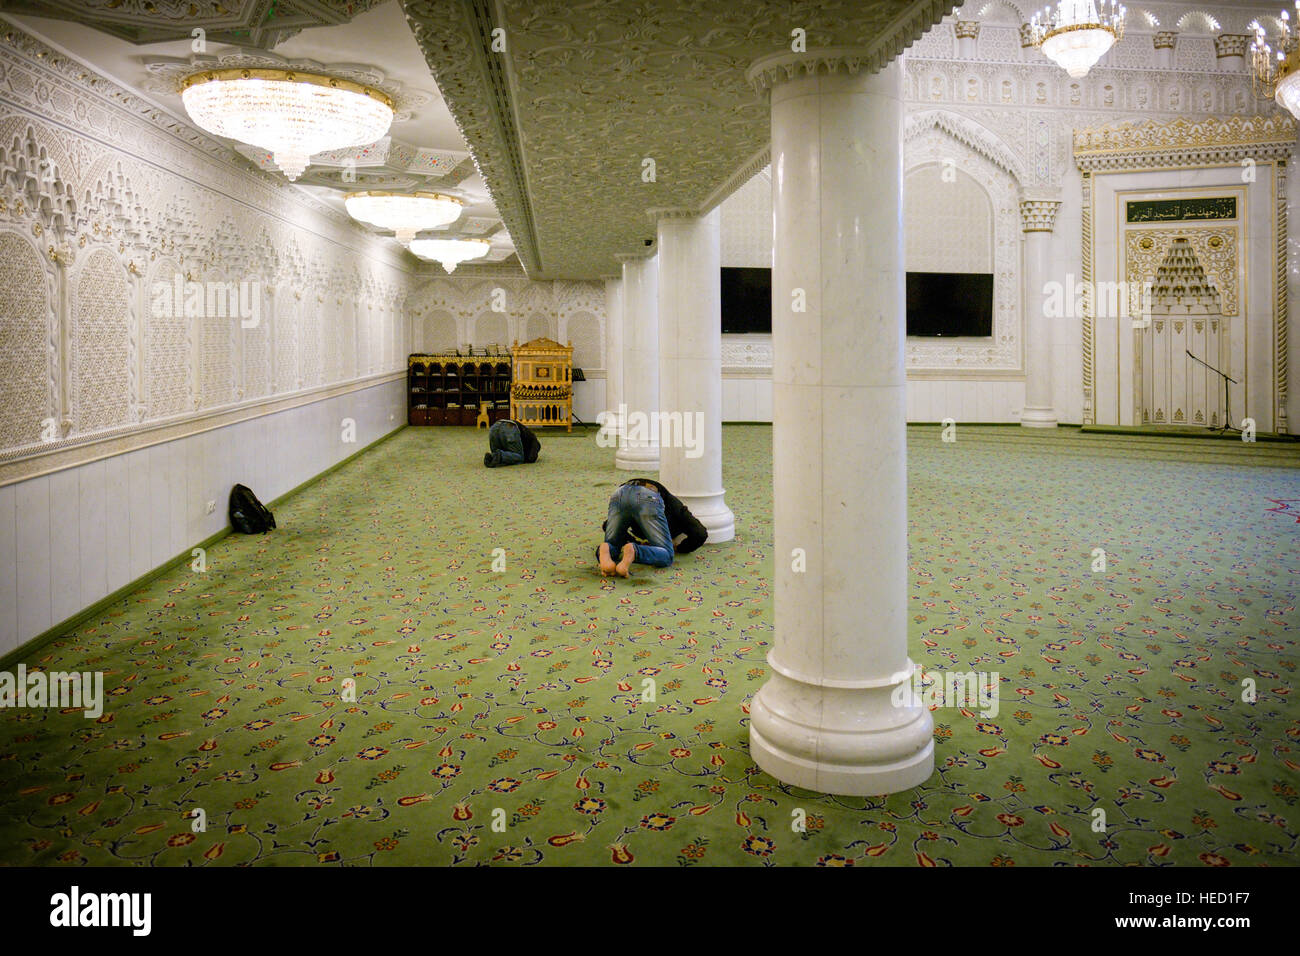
[
  {"x": 1037, "y": 216},
  {"x": 1029, "y": 51},
  {"x": 968, "y": 38},
  {"x": 614, "y": 354},
  {"x": 690, "y": 365},
  {"x": 1163, "y": 43},
  {"x": 839, "y": 714},
  {"x": 639, "y": 449}
]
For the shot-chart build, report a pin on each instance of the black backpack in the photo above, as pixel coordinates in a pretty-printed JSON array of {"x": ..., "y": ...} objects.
[{"x": 247, "y": 514}]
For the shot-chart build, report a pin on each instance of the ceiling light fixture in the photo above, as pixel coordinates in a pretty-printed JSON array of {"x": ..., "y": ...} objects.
[
  {"x": 404, "y": 213},
  {"x": 1273, "y": 68},
  {"x": 293, "y": 115},
  {"x": 1075, "y": 34},
  {"x": 450, "y": 252}
]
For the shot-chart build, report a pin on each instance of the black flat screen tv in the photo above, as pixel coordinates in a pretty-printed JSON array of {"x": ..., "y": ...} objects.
[
  {"x": 746, "y": 300},
  {"x": 950, "y": 304}
]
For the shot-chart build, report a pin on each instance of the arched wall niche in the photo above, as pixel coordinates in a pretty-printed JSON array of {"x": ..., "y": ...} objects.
[{"x": 980, "y": 177}]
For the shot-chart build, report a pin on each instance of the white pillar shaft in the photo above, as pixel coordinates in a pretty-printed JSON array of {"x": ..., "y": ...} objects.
[
  {"x": 690, "y": 368},
  {"x": 1039, "y": 411},
  {"x": 639, "y": 450},
  {"x": 830, "y": 719},
  {"x": 614, "y": 352}
]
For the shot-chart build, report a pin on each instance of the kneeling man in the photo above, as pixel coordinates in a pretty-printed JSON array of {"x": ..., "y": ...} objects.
[
  {"x": 646, "y": 525},
  {"x": 511, "y": 444}
]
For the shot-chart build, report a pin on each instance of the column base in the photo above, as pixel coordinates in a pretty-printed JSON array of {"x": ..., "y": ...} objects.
[
  {"x": 1038, "y": 418},
  {"x": 851, "y": 741},
  {"x": 713, "y": 513},
  {"x": 637, "y": 458}
]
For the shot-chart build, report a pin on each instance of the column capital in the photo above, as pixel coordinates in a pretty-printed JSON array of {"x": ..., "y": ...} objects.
[
  {"x": 626, "y": 257},
  {"x": 1164, "y": 39},
  {"x": 769, "y": 71},
  {"x": 657, "y": 213},
  {"x": 1038, "y": 215},
  {"x": 967, "y": 29},
  {"x": 1231, "y": 44}
]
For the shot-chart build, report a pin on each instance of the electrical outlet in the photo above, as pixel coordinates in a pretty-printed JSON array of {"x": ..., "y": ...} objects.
[{"x": 212, "y": 506}]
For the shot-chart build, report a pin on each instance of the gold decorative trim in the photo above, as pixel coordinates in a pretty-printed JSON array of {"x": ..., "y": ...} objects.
[
  {"x": 287, "y": 76},
  {"x": 1280, "y": 305},
  {"x": 419, "y": 194},
  {"x": 1182, "y": 142},
  {"x": 1215, "y": 250},
  {"x": 1089, "y": 328}
]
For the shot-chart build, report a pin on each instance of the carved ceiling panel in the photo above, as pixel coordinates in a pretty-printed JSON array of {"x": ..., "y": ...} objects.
[
  {"x": 587, "y": 114},
  {"x": 259, "y": 23}
]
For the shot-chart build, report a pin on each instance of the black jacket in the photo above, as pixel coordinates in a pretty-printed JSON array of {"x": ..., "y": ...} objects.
[
  {"x": 680, "y": 520},
  {"x": 532, "y": 447}
]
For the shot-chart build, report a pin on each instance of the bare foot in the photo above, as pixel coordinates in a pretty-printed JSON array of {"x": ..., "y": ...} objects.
[
  {"x": 607, "y": 565},
  {"x": 624, "y": 566}
]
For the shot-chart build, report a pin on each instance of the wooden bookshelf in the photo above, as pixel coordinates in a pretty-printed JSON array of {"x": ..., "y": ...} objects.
[{"x": 449, "y": 388}]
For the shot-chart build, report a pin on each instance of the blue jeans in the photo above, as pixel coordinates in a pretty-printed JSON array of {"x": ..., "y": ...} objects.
[
  {"x": 506, "y": 444},
  {"x": 640, "y": 510}
]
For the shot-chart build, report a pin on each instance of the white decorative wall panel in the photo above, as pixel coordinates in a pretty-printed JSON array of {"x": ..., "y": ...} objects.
[
  {"x": 286, "y": 340},
  {"x": 99, "y": 345},
  {"x": 168, "y": 345},
  {"x": 26, "y": 347},
  {"x": 101, "y": 196},
  {"x": 949, "y": 220},
  {"x": 747, "y": 225},
  {"x": 455, "y": 311}
]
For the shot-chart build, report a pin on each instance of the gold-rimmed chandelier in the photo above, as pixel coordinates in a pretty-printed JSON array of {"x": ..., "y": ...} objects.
[
  {"x": 291, "y": 114},
  {"x": 1273, "y": 65},
  {"x": 404, "y": 213},
  {"x": 1075, "y": 34},
  {"x": 450, "y": 252}
]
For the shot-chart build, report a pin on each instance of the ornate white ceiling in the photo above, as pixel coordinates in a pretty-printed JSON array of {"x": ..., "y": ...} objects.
[
  {"x": 369, "y": 43},
  {"x": 255, "y": 23},
  {"x": 561, "y": 122}
]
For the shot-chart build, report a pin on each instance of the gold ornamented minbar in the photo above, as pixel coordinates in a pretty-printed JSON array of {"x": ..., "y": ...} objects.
[{"x": 542, "y": 391}]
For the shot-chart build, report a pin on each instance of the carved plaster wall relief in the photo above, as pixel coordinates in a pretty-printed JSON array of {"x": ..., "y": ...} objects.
[
  {"x": 1215, "y": 251},
  {"x": 979, "y": 184},
  {"x": 453, "y": 312},
  {"x": 103, "y": 200},
  {"x": 1230, "y": 144}
]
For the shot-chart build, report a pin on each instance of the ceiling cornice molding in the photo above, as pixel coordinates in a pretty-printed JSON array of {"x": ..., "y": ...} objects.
[
  {"x": 456, "y": 37},
  {"x": 648, "y": 253},
  {"x": 658, "y": 213},
  {"x": 747, "y": 171},
  {"x": 785, "y": 66}
]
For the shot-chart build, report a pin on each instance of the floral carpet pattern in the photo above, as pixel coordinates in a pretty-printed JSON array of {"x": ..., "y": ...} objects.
[{"x": 422, "y": 666}]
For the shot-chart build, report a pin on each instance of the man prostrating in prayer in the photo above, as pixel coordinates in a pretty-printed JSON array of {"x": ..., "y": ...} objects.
[{"x": 646, "y": 525}]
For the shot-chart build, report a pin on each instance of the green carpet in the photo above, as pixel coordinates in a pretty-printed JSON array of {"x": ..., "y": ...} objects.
[{"x": 499, "y": 719}]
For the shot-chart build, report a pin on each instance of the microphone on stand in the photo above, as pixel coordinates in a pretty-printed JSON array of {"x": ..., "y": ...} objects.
[{"x": 1227, "y": 406}]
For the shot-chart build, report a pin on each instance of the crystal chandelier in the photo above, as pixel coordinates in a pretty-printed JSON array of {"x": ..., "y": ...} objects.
[
  {"x": 1273, "y": 70},
  {"x": 404, "y": 213},
  {"x": 1077, "y": 33},
  {"x": 450, "y": 252},
  {"x": 292, "y": 115}
]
